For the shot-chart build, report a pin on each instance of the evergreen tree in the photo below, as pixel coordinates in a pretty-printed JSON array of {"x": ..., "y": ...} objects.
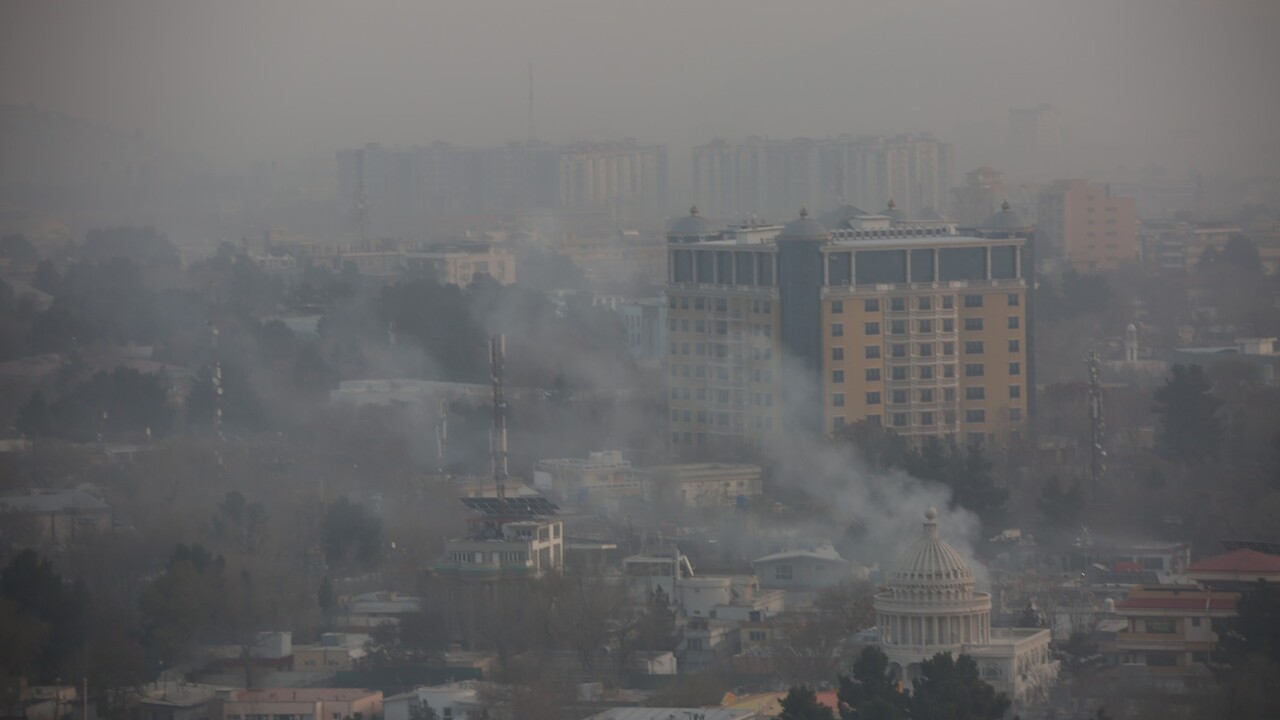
[
  {"x": 801, "y": 703},
  {"x": 950, "y": 689},
  {"x": 869, "y": 694},
  {"x": 1190, "y": 429}
]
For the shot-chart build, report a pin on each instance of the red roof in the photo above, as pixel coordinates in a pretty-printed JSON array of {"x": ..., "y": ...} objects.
[
  {"x": 1189, "y": 602},
  {"x": 827, "y": 698},
  {"x": 1126, "y": 566},
  {"x": 1243, "y": 560}
]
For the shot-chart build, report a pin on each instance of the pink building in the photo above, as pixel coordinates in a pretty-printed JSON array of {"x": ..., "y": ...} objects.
[{"x": 302, "y": 704}]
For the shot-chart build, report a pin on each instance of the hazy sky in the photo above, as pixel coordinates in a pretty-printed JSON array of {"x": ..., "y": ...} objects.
[{"x": 1136, "y": 79}]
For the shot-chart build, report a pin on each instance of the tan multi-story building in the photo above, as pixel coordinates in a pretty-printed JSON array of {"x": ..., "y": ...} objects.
[
  {"x": 1086, "y": 226},
  {"x": 919, "y": 328},
  {"x": 602, "y": 475},
  {"x": 1171, "y": 628},
  {"x": 1169, "y": 245}
]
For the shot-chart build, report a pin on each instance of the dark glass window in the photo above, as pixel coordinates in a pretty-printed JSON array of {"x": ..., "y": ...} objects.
[
  {"x": 1004, "y": 262},
  {"x": 838, "y": 268},
  {"x": 922, "y": 265},
  {"x": 873, "y": 267},
  {"x": 962, "y": 264}
]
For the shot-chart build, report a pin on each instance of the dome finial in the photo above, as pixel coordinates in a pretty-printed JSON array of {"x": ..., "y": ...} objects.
[
  {"x": 892, "y": 204},
  {"x": 931, "y": 513},
  {"x": 804, "y": 211},
  {"x": 693, "y": 210},
  {"x": 1004, "y": 207}
]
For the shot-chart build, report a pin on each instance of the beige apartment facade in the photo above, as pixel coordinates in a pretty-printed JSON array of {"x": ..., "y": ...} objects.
[{"x": 1087, "y": 226}]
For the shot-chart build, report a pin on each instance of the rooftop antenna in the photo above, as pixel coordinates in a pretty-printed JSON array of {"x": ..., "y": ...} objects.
[
  {"x": 1097, "y": 426},
  {"x": 531, "y": 137},
  {"x": 498, "y": 436}
]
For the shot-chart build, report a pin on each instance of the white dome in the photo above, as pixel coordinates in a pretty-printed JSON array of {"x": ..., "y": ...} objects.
[{"x": 932, "y": 565}]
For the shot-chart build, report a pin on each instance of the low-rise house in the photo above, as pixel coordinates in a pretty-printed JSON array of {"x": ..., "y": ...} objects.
[
  {"x": 302, "y": 704},
  {"x": 336, "y": 652},
  {"x": 180, "y": 701},
  {"x": 454, "y": 701},
  {"x": 367, "y": 611},
  {"x": 47, "y": 516},
  {"x": 1171, "y": 629},
  {"x": 655, "y": 713},
  {"x": 601, "y": 476},
  {"x": 1239, "y": 569},
  {"x": 700, "y": 485},
  {"x": 803, "y": 573}
]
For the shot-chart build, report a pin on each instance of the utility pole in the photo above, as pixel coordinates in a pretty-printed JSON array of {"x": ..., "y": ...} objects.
[
  {"x": 1097, "y": 427},
  {"x": 498, "y": 436},
  {"x": 442, "y": 433}
]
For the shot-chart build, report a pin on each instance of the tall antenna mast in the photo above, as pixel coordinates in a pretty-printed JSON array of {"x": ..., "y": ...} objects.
[
  {"x": 362, "y": 201},
  {"x": 531, "y": 101},
  {"x": 442, "y": 434},
  {"x": 1097, "y": 426},
  {"x": 498, "y": 437}
]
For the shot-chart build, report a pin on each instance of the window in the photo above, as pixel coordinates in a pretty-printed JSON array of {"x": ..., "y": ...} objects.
[
  {"x": 925, "y": 327},
  {"x": 925, "y": 303},
  {"x": 1013, "y": 322},
  {"x": 926, "y": 349},
  {"x": 872, "y": 328},
  {"x": 756, "y": 635},
  {"x": 948, "y": 302},
  {"x": 837, "y": 400},
  {"x": 899, "y": 397},
  {"x": 897, "y": 304},
  {"x": 873, "y": 398},
  {"x": 977, "y": 439},
  {"x": 948, "y": 371},
  {"x": 722, "y": 327},
  {"x": 722, "y": 305},
  {"x": 1015, "y": 392},
  {"x": 872, "y": 305},
  {"x": 1195, "y": 622},
  {"x": 973, "y": 301},
  {"x": 837, "y": 307},
  {"x": 926, "y": 396},
  {"x": 948, "y": 325},
  {"x": 926, "y": 372},
  {"x": 900, "y": 419},
  {"x": 873, "y": 374},
  {"x": 1199, "y": 656},
  {"x": 898, "y": 350},
  {"x": 949, "y": 394},
  {"x": 673, "y": 307},
  {"x": 898, "y": 327},
  {"x": 1159, "y": 625},
  {"x": 975, "y": 416},
  {"x": 949, "y": 417},
  {"x": 873, "y": 419},
  {"x": 837, "y": 354},
  {"x": 1015, "y": 346},
  {"x": 782, "y": 572},
  {"x": 973, "y": 324},
  {"x": 1161, "y": 659},
  {"x": 837, "y": 329},
  {"x": 973, "y": 347},
  {"x": 1014, "y": 301},
  {"x": 975, "y": 393},
  {"x": 1015, "y": 368},
  {"x": 700, "y": 326},
  {"x": 837, "y": 376},
  {"x": 898, "y": 373},
  {"x": 872, "y": 352},
  {"x": 926, "y": 419},
  {"x": 974, "y": 370},
  {"x": 837, "y": 423},
  {"x": 948, "y": 348}
]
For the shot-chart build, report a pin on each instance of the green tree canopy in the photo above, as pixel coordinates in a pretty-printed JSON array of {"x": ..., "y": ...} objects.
[
  {"x": 801, "y": 703},
  {"x": 869, "y": 693},
  {"x": 1190, "y": 429},
  {"x": 950, "y": 689}
]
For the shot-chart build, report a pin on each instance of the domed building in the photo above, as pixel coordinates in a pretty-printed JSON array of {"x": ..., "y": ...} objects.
[
  {"x": 692, "y": 228},
  {"x": 931, "y": 606},
  {"x": 1005, "y": 223}
]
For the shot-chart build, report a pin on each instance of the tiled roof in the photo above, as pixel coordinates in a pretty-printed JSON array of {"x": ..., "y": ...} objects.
[
  {"x": 1190, "y": 602},
  {"x": 1243, "y": 560}
]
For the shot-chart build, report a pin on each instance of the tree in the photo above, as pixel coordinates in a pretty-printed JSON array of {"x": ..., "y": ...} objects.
[
  {"x": 240, "y": 523},
  {"x": 123, "y": 400},
  {"x": 1061, "y": 507},
  {"x": 238, "y": 402},
  {"x": 35, "y": 591},
  {"x": 880, "y": 447},
  {"x": 350, "y": 533},
  {"x": 870, "y": 694},
  {"x": 801, "y": 703},
  {"x": 656, "y": 628},
  {"x": 1255, "y": 630},
  {"x": 950, "y": 689},
  {"x": 186, "y": 604},
  {"x": 1190, "y": 430},
  {"x": 847, "y": 607}
]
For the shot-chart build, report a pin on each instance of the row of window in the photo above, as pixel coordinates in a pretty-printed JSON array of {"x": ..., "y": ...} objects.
[
  {"x": 929, "y": 418},
  {"x": 720, "y": 305},
  {"x": 720, "y": 372},
  {"x": 927, "y": 395},
  {"x": 872, "y": 352},
  {"x": 720, "y": 396},
  {"x": 971, "y": 370},
  {"x": 925, "y": 302},
  {"x": 924, "y": 327}
]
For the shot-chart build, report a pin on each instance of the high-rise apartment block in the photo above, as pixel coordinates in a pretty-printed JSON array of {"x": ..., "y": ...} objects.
[
  {"x": 916, "y": 327},
  {"x": 1084, "y": 224},
  {"x": 1035, "y": 136},
  {"x": 402, "y": 187},
  {"x": 770, "y": 178}
]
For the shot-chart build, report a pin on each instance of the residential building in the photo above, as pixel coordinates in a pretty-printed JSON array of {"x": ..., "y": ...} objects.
[
  {"x": 336, "y": 652},
  {"x": 301, "y": 703},
  {"x": 602, "y": 475},
  {"x": 702, "y": 484},
  {"x": 1256, "y": 351},
  {"x": 1173, "y": 246},
  {"x": 507, "y": 537},
  {"x": 931, "y": 606},
  {"x": 666, "y": 713},
  {"x": 48, "y": 516},
  {"x": 1171, "y": 629},
  {"x": 909, "y": 325},
  {"x": 181, "y": 701},
  {"x": 627, "y": 181},
  {"x": 1238, "y": 570},
  {"x": 460, "y": 264},
  {"x": 369, "y": 610},
  {"x": 453, "y": 701},
  {"x": 1035, "y": 137},
  {"x": 804, "y": 573},
  {"x": 1085, "y": 225},
  {"x": 645, "y": 321},
  {"x": 770, "y": 178}
]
